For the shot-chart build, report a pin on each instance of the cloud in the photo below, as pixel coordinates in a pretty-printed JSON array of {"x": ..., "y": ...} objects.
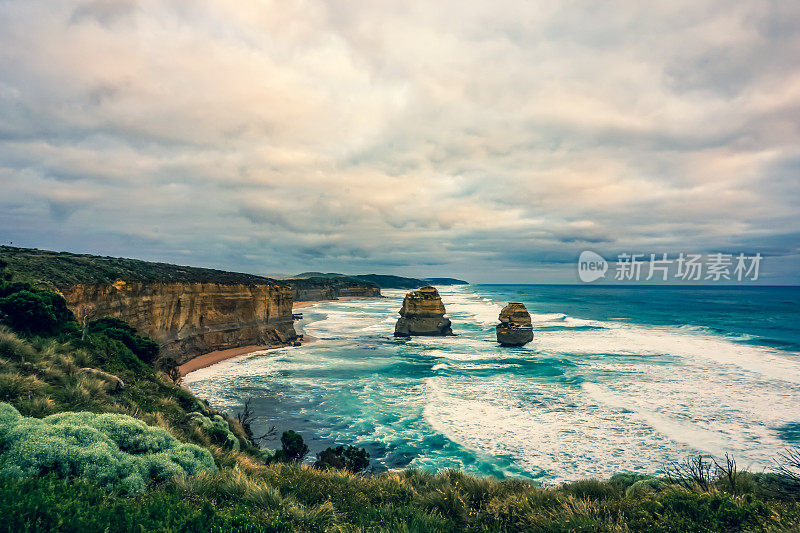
[
  {"x": 106, "y": 12},
  {"x": 490, "y": 141}
]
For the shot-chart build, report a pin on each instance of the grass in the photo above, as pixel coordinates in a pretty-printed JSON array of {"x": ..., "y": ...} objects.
[
  {"x": 54, "y": 270},
  {"x": 285, "y": 497}
]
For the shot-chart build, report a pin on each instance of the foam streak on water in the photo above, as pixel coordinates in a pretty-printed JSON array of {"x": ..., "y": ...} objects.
[{"x": 610, "y": 383}]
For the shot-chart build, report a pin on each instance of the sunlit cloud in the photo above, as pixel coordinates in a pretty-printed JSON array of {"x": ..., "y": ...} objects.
[{"x": 482, "y": 140}]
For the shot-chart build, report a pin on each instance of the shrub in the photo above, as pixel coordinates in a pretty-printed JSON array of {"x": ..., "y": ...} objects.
[
  {"x": 644, "y": 487},
  {"x": 351, "y": 459},
  {"x": 293, "y": 449},
  {"x": 28, "y": 313},
  {"x": 112, "y": 355},
  {"x": 114, "y": 328},
  {"x": 217, "y": 429},
  {"x": 695, "y": 511},
  {"x": 33, "y": 311},
  {"x": 117, "y": 451}
]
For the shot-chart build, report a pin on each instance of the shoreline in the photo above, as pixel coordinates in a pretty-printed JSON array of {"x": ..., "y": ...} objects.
[
  {"x": 217, "y": 356},
  {"x": 310, "y": 303}
]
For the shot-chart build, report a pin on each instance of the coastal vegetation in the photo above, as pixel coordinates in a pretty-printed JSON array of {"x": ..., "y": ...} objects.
[
  {"x": 62, "y": 269},
  {"x": 383, "y": 281},
  {"x": 95, "y": 437}
]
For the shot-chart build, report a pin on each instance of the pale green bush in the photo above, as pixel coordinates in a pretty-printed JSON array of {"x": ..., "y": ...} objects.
[
  {"x": 115, "y": 450},
  {"x": 217, "y": 429},
  {"x": 644, "y": 487}
]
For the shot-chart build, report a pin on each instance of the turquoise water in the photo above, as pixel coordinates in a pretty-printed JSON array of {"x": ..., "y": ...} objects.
[{"x": 616, "y": 379}]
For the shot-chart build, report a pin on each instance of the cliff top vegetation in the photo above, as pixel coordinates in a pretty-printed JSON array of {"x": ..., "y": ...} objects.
[
  {"x": 384, "y": 281},
  {"x": 63, "y": 269}
]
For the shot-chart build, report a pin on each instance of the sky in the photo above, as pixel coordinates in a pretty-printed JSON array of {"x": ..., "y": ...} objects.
[{"x": 490, "y": 141}]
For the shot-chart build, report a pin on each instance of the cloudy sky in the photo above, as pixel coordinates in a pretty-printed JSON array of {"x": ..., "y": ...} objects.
[{"x": 487, "y": 140}]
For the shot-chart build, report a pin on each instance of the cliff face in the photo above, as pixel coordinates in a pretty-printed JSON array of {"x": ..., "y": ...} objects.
[
  {"x": 422, "y": 314},
  {"x": 515, "y": 328},
  {"x": 188, "y": 319},
  {"x": 318, "y": 288}
]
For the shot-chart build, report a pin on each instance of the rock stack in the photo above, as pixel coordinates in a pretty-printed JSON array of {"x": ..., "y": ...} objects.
[
  {"x": 423, "y": 314},
  {"x": 515, "y": 327}
]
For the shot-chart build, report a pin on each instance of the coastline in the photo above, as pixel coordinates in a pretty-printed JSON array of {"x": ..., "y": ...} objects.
[
  {"x": 311, "y": 303},
  {"x": 211, "y": 358}
]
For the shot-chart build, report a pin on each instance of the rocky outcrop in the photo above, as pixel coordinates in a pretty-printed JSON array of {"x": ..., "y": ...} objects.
[
  {"x": 515, "y": 327},
  {"x": 188, "y": 319},
  {"x": 422, "y": 314}
]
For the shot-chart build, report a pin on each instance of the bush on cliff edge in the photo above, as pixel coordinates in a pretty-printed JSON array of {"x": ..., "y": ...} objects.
[
  {"x": 145, "y": 349},
  {"x": 33, "y": 311}
]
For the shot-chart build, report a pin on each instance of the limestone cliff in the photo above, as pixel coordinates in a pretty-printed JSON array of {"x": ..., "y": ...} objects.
[
  {"x": 330, "y": 288},
  {"x": 422, "y": 314},
  {"x": 188, "y": 319},
  {"x": 515, "y": 328}
]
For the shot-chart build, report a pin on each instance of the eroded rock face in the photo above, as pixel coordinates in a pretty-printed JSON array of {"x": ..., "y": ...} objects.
[
  {"x": 316, "y": 289},
  {"x": 515, "y": 327},
  {"x": 188, "y": 319},
  {"x": 422, "y": 314}
]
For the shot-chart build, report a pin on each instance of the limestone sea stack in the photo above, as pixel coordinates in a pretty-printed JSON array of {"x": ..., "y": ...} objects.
[
  {"x": 515, "y": 327},
  {"x": 422, "y": 314}
]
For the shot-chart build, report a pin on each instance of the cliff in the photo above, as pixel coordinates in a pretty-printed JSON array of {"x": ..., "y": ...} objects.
[
  {"x": 330, "y": 288},
  {"x": 422, "y": 313},
  {"x": 187, "y": 310},
  {"x": 188, "y": 319}
]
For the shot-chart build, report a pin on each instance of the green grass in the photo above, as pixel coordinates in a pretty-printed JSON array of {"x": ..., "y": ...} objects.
[
  {"x": 51, "y": 504},
  {"x": 299, "y": 498}
]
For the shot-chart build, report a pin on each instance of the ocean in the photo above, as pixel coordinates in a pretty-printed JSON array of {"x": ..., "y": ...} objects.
[{"x": 617, "y": 379}]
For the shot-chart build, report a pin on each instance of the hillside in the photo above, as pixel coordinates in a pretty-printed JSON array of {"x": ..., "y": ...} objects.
[
  {"x": 384, "y": 281},
  {"x": 445, "y": 281},
  {"x": 63, "y": 269}
]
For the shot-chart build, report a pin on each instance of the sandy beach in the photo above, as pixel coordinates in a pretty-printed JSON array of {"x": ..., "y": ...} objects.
[
  {"x": 211, "y": 358},
  {"x": 207, "y": 359}
]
